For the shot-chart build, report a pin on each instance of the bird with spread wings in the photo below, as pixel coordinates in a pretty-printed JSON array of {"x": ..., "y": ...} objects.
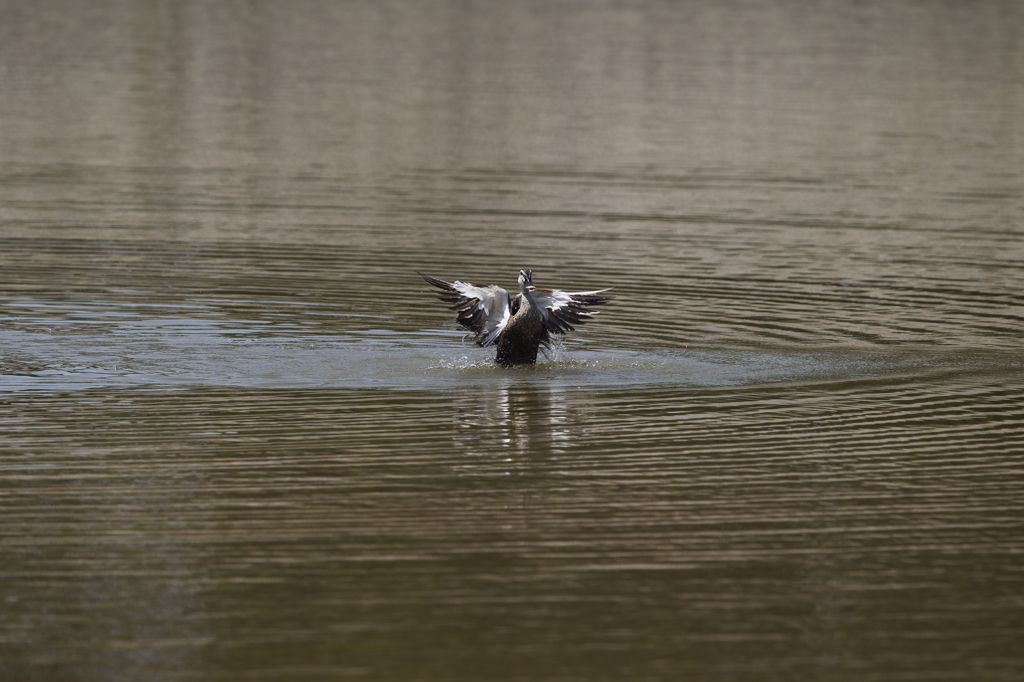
[{"x": 518, "y": 324}]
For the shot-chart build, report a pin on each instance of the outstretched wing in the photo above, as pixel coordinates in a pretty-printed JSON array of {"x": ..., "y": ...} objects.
[
  {"x": 563, "y": 309},
  {"x": 482, "y": 309}
]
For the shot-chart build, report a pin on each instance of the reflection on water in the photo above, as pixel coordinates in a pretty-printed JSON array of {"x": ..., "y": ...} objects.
[
  {"x": 240, "y": 440},
  {"x": 514, "y": 420}
]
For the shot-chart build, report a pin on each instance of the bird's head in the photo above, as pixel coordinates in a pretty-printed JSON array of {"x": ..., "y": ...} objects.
[{"x": 525, "y": 279}]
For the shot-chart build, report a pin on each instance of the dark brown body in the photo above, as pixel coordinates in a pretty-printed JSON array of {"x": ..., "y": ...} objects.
[{"x": 522, "y": 337}]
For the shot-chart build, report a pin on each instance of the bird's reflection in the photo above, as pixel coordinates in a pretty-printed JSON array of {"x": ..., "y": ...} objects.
[{"x": 514, "y": 418}]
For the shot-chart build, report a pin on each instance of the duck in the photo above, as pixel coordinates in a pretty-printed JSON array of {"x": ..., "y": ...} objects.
[{"x": 521, "y": 324}]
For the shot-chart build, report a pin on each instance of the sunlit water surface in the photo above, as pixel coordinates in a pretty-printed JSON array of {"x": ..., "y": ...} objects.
[{"x": 239, "y": 439}]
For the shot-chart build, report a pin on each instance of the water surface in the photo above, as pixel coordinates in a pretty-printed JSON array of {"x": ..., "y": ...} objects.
[{"x": 240, "y": 440}]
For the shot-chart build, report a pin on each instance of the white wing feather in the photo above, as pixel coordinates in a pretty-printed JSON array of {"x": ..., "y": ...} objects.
[
  {"x": 484, "y": 310},
  {"x": 493, "y": 302},
  {"x": 563, "y": 309}
]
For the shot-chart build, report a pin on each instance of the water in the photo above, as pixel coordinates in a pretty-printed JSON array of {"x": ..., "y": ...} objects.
[{"x": 240, "y": 440}]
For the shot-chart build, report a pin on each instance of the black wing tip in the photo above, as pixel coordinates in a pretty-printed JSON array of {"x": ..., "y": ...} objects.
[
  {"x": 439, "y": 283},
  {"x": 592, "y": 299}
]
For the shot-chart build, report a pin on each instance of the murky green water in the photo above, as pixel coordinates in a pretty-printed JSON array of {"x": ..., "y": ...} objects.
[{"x": 240, "y": 440}]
